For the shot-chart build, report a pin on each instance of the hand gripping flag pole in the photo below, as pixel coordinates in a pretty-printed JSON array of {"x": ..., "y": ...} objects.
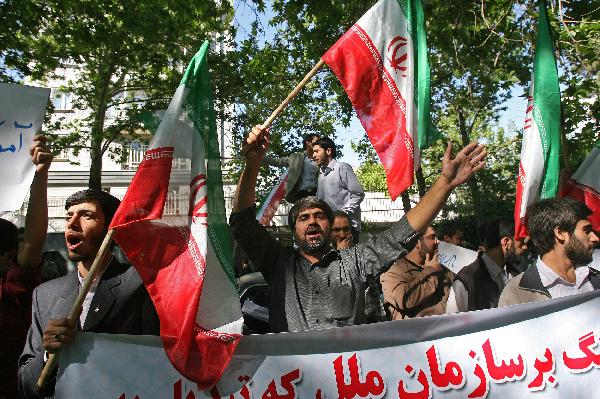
[
  {"x": 99, "y": 261},
  {"x": 104, "y": 250}
]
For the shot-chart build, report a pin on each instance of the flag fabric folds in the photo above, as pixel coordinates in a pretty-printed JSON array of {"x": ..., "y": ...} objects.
[
  {"x": 584, "y": 185},
  {"x": 540, "y": 150},
  {"x": 269, "y": 206},
  {"x": 184, "y": 255},
  {"x": 382, "y": 64}
]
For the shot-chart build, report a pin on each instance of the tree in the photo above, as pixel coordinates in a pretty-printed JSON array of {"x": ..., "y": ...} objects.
[{"x": 129, "y": 56}]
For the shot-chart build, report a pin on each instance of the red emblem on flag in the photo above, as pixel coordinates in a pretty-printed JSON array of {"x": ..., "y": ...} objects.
[{"x": 397, "y": 55}]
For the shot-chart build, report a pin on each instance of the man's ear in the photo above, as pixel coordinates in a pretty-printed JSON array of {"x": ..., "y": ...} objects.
[
  {"x": 328, "y": 151},
  {"x": 560, "y": 235}
]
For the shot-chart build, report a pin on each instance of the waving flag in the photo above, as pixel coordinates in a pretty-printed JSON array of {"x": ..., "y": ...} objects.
[
  {"x": 270, "y": 204},
  {"x": 186, "y": 261},
  {"x": 382, "y": 64},
  {"x": 584, "y": 185},
  {"x": 539, "y": 165}
]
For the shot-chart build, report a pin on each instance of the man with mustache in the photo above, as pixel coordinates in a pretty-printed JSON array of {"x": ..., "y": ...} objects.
[
  {"x": 417, "y": 285},
  {"x": 565, "y": 241},
  {"x": 117, "y": 303},
  {"x": 314, "y": 286}
]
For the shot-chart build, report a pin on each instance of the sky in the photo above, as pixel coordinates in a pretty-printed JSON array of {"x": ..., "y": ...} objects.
[{"x": 514, "y": 114}]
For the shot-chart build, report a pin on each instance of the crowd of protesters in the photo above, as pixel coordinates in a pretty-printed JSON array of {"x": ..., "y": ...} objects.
[{"x": 329, "y": 277}]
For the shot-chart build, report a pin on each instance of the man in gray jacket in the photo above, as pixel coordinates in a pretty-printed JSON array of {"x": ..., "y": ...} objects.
[
  {"x": 565, "y": 241},
  {"x": 302, "y": 170},
  {"x": 312, "y": 285},
  {"x": 117, "y": 303}
]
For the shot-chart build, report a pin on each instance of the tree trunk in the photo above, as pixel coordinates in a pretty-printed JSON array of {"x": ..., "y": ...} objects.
[
  {"x": 472, "y": 182},
  {"x": 405, "y": 201},
  {"x": 95, "y": 181},
  {"x": 421, "y": 185}
]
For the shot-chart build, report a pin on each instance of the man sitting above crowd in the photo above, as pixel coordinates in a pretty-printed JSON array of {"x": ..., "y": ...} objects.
[
  {"x": 338, "y": 185},
  {"x": 417, "y": 284},
  {"x": 302, "y": 170},
  {"x": 314, "y": 286},
  {"x": 117, "y": 303},
  {"x": 478, "y": 285},
  {"x": 565, "y": 241}
]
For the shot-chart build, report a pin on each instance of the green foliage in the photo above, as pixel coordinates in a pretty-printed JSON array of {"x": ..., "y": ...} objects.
[{"x": 129, "y": 56}]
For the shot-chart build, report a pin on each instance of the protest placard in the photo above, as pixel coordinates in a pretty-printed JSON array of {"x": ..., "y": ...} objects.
[
  {"x": 21, "y": 115},
  {"x": 455, "y": 257}
]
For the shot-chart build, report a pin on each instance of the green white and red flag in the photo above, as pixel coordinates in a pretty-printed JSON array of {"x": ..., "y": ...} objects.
[
  {"x": 271, "y": 203},
  {"x": 382, "y": 64},
  {"x": 584, "y": 185},
  {"x": 185, "y": 261},
  {"x": 540, "y": 151}
]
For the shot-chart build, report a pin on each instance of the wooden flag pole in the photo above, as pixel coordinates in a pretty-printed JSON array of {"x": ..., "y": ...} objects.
[
  {"x": 293, "y": 93},
  {"x": 99, "y": 261}
]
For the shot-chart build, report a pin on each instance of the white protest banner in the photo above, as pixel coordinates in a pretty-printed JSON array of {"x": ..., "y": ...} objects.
[
  {"x": 21, "y": 114},
  {"x": 596, "y": 259},
  {"x": 455, "y": 257},
  {"x": 545, "y": 349}
]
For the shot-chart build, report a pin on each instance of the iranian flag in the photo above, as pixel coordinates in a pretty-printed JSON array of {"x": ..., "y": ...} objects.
[
  {"x": 382, "y": 64},
  {"x": 271, "y": 203},
  {"x": 584, "y": 185},
  {"x": 185, "y": 260},
  {"x": 539, "y": 165}
]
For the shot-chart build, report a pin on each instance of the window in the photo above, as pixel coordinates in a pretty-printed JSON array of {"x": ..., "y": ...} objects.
[
  {"x": 135, "y": 154},
  {"x": 62, "y": 101}
]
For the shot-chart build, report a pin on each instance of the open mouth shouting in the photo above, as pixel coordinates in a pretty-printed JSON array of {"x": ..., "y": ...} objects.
[
  {"x": 314, "y": 233},
  {"x": 74, "y": 241}
]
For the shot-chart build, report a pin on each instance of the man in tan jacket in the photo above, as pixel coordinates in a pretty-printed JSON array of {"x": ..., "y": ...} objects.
[{"x": 417, "y": 285}]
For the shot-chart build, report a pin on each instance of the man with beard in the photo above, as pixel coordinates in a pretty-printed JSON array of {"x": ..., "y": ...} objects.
[
  {"x": 565, "y": 241},
  {"x": 478, "y": 285},
  {"x": 117, "y": 303},
  {"x": 314, "y": 286},
  {"x": 417, "y": 285}
]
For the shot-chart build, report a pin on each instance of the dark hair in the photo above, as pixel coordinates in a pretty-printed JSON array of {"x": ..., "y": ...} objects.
[
  {"x": 307, "y": 138},
  {"x": 325, "y": 143},
  {"x": 308, "y": 203},
  {"x": 107, "y": 202},
  {"x": 341, "y": 214},
  {"x": 9, "y": 236},
  {"x": 546, "y": 215},
  {"x": 495, "y": 230},
  {"x": 448, "y": 228}
]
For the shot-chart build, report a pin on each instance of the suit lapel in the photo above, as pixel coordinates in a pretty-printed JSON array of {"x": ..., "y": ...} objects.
[{"x": 104, "y": 297}]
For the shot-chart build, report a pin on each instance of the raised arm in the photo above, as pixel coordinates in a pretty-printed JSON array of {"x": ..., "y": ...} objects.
[
  {"x": 36, "y": 221},
  {"x": 254, "y": 149},
  {"x": 455, "y": 171}
]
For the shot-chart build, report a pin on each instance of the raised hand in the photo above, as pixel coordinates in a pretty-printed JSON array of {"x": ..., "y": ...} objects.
[
  {"x": 256, "y": 144},
  {"x": 467, "y": 162},
  {"x": 40, "y": 154}
]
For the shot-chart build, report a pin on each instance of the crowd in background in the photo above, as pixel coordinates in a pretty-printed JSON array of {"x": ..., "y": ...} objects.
[{"x": 332, "y": 275}]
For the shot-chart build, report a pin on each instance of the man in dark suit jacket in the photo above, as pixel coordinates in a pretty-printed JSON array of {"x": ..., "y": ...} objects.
[
  {"x": 118, "y": 302},
  {"x": 302, "y": 170}
]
